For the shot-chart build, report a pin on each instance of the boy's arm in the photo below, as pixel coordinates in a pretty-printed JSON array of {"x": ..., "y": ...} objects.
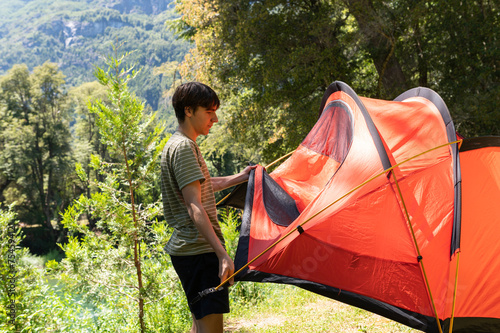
[
  {"x": 192, "y": 198},
  {"x": 220, "y": 183}
]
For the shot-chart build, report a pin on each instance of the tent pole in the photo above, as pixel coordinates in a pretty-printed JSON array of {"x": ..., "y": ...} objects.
[
  {"x": 420, "y": 259},
  {"x": 279, "y": 159},
  {"x": 454, "y": 295}
]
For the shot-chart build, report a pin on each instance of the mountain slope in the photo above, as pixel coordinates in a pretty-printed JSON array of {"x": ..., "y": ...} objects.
[{"x": 76, "y": 34}]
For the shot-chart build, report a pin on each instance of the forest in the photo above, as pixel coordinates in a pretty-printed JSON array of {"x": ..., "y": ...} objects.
[{"x": 85, "y": 91}]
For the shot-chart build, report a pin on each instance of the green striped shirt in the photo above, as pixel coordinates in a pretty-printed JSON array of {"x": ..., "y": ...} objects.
[{"x": 182, "y": 164}]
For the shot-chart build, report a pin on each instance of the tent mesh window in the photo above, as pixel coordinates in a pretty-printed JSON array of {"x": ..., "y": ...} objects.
[{"x": 336, "y": 124}]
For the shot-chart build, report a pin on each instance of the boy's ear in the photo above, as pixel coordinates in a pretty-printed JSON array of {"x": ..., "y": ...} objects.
[{"x": 188, "y": 111}]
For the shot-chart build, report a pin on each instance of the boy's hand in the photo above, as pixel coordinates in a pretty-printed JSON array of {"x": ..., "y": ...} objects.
[
  {"x": 247, "y": 170},
  {"x": 226, "y": 269}
]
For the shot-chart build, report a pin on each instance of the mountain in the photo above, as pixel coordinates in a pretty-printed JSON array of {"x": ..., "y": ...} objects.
[{"x": 77, "y": 34}]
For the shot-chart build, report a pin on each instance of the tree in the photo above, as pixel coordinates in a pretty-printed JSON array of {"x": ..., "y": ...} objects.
[
  {"x": 111, "y": 256},
  {"x": 272, "y": 60},
  {"x": 379, "y": 37},
  {"x": 459, "y": 61},
  {"x": 36, "y": 140},
  {"x": 15, "y": 108}
]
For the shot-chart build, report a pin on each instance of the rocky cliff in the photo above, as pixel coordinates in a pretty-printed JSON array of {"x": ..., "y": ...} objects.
[
  {"x": 149, "y": 7},
  {"x": 68, "y": 31}
]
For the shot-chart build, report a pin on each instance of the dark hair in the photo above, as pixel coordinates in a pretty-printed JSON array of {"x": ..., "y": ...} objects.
[{"x": 193, "y": 94}]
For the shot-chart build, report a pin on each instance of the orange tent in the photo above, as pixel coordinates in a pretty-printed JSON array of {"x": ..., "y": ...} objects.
[{"x": 379, "y": 209}]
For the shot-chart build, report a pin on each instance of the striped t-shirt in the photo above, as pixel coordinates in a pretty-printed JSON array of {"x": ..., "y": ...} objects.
[{"x": 181, "y": 164}]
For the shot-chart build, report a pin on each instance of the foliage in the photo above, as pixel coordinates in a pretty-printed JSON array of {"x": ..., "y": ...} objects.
[
  {"x": 107, "y": 305},
  {"x": 456, "y": 60},
  {"x": 86, "y": 136},
  {"x": 49, "y": 300},
  {"x": 272, "y": 60},
  {"x": 111, "y": 257},
  {"x": 46, "y": 301},
  {"x": 37, "y": 306},
  {"x": 459, "y": 61},
  {"x": 34, "y": 138},
  {"x": 72, "y": 34},
  {"x": 10, "y": 295}
]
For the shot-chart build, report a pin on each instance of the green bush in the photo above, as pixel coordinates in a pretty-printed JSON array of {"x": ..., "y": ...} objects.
[{"x": 39, "y": 307}]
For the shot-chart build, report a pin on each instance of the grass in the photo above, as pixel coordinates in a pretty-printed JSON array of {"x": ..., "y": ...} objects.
[{"x": 291, "y": 309}]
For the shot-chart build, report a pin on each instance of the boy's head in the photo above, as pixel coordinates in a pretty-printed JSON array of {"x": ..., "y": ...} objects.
[{"x": 193, "y": 94}]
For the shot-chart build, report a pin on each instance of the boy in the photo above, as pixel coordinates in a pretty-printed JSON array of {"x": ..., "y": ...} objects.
[{"x": 196, "y": 247}]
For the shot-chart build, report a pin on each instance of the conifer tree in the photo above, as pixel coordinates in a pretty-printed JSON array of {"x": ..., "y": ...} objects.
[{"x": 111, "y": 257}]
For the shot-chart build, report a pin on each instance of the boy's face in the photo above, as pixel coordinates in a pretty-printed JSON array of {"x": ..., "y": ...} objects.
[{"x": 202, "y": 119}]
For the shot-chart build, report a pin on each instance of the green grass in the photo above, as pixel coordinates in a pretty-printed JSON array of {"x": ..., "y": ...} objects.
[{"x": 291, "y": 309}]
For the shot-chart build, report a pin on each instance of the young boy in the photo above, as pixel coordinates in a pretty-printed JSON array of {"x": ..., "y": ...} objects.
[{"x": 196, "y": 247}]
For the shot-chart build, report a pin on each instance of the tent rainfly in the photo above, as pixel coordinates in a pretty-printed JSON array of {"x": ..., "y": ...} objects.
[{"x": 382, "y": 206}]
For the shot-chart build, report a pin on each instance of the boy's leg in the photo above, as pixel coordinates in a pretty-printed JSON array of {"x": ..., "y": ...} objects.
[
  {"x": 194, "y": 328},
  {"x": 212, "y": 323},
  {"x": 198, "y": 273}
]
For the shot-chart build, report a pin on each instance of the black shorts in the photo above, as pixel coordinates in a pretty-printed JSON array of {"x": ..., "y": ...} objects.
[{"x": 197, "y": 273}]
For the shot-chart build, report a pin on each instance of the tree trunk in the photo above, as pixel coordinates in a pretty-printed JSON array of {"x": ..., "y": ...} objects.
[
  {"x": 381, "y": 45},
  {"x": 422, "y": 61},
  {"x": 137, "y": 245}
]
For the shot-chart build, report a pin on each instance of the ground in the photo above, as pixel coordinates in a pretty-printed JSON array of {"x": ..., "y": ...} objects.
[{"x": 312, "y": 313}]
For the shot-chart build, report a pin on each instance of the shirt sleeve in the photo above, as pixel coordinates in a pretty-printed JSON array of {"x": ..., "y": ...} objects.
[{"x": 186, "y": 164}]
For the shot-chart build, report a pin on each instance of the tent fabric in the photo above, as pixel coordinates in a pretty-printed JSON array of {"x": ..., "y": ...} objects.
[
  {"x": 368, "y": 210},
  {"x": 478, "y": 292}
]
